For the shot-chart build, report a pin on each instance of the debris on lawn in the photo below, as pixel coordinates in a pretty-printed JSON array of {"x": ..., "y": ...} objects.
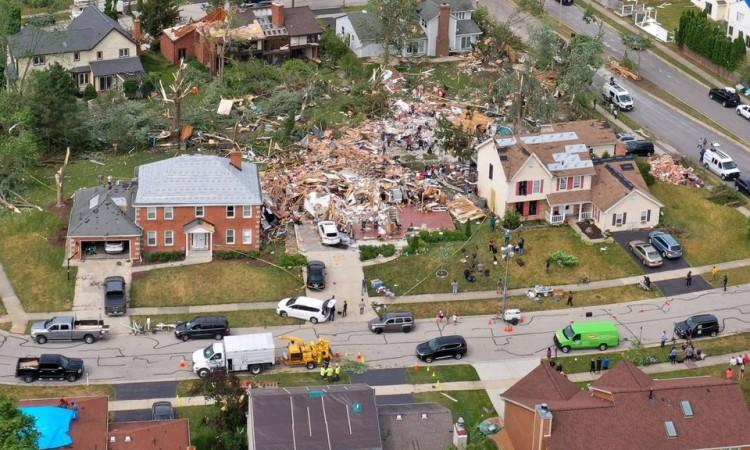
[{"x": 664, "y": 168}]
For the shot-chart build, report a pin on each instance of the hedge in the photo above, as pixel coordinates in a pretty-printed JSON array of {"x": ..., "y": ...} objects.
[
  {"x": 707, "y": 38},
  {"x": 292, "y": 260},
  {"x": 227, "y": 255},
  {"x": 157, "y": 257},
  {"x": 372, "y": 251}
]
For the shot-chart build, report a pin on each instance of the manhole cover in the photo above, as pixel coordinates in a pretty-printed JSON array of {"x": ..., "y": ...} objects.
[{"x": 442, "y": 273}]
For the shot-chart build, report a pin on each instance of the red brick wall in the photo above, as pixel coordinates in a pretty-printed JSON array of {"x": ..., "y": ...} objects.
[
  {"x": 443, "y": 34},
  {"x": 205, "y": 52},
  {"x": 170, "y": 49},
  {"x": 215, "y": 215}
]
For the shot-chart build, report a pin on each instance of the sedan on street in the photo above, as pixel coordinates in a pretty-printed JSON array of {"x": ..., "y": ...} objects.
[
  {"x": 646, "y": 253},
  {"x": 744, "y": 111},
  {"x": 742, "y": 184}
]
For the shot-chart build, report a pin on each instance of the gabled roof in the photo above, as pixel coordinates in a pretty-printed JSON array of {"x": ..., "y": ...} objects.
[
  {"x": 197, "y": 180},
  {"x": 429, "y": 9},
  {"x": 613, "y": 182},
  {"x": 83, "y": 33},
  {"x": 366, "y": 25},
  {"x": 150, "y": 435},
  {"x": 300, "y": 21},
  {"x": 624, "y": 377},
  {"x": 542, "y": 385},
  {"x": 415, "y": 426},
  {"x": 467, "y": 26},
  {"x": 89, "y": 431},
  {"x": 96, "y": 212}
]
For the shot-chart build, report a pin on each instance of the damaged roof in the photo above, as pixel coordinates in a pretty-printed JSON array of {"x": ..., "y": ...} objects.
[
  {"x": 615, "y": 179},
  {"x": 101, "y": 212},
  {"x": 301, "y": 21}
]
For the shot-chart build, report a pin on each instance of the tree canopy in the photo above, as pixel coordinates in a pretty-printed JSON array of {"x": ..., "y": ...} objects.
[
  {"x": 17, "y": 430},
  {"x": 399, "y": 22},
  {"x": 157, "y": 15}
]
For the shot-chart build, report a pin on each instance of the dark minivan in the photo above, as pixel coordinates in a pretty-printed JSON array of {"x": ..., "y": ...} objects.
[
  {"x": 203, "y": 327},
  {"x": 697, "y": 326},
  {"x": 442, "y": 347}
]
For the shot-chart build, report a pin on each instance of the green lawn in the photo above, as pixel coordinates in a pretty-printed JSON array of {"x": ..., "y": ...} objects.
[
  {"x": 473, "y": 406},
  {"x": 22, "y": 392},
  {"x": 237, "y": 319},
  {"x": 202, "y": 435},
  {"x": 292, "y": 378},
  {"x": 405, "y": 273},
  {"x": 740, "y": 275},
  {"x": 3, "y": 311},
  {"x": 695, "y": 220},
  {"x": 213, "y": 283},
  {"x": 6, "y": 326},
  {"x": 446, "y": 374},
  {"x": 157, "y": 67},
  {"x": 595, "y": 297},
  {"x": 669, "y": 16}
]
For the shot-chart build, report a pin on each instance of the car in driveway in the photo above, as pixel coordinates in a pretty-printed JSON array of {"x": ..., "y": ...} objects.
[
  {"x": 305, "y": 308},
  {"x": 646, "y": 253},
  {"x": 744, "y": 111},
  {"x": 726, "y": 96},
  {"x": 316, "y": 275},
  {"x": 442, "y": 347},
  {"x": 329, "y": 234},
  {"x": 665, "y": 244},
  {"x": 162, "y": 411},
  {"x": 627, "y": 137},
  {"x": 115, "y": 303},
  {"x": 114, "y": 247},
  {"x": 742, "y": 184},
  {"x": 639, "y": 148}
]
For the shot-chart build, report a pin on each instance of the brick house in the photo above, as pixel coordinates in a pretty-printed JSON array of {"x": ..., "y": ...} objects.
[
  {"x": 624, "y": 410},
  {"x": 192, "y": 203}
]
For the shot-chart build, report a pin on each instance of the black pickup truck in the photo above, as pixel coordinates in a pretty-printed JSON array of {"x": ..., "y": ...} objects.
[
  {"x": 115, "y": 303},
  {"x": 49, "y": 367}
]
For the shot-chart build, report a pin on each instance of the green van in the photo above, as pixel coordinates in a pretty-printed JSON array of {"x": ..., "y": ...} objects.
[{"x": 588, "y": 335}]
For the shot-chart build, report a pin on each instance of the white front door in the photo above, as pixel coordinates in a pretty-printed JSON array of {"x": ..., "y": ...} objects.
[{"x": 199, "y": 241}]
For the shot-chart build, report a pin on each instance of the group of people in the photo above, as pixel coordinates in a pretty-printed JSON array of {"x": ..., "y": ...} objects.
[
  {"x": 441, "y": 317},
  {"x": 598, "y": 364},
  {"x": 330, "y": 373},
  {"x": 740, "y": 362},
  {"x": 691, "y": 353},
  {"x": 64, "y": 403}
]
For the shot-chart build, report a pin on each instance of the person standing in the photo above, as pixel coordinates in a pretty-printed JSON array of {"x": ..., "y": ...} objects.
[
  {"x": 521, "y": 246},
  {"x": 506, "y": 236},
  {"x": 546, "y": 266},
  {"x": 598, "y": 364},
  {"x": 454, "y": 286},
  {"x": 343, "y": 310},
  {"x": 592, "y": 368},
  {"x": 549, "y": 352},
  {"x": 440, "y": 316},
  {"x": 663, "y": 338},
  {"x": 673, "y": 356},
  {"x": 454, "y": 319},
  {"x": 742, "y": 372},
  {"x": 570, "y": 298},
  {"x": 364, "y": 286},
  {"x": 361, "y": 306},
  {"x": 689, "y": 278},
  {"x": 724, "y": 282},
  {"x": 714, "y": 273},
  {"x": 332, "y": 314},
  {"x": 493, "y": 222},
  {"x": 729, "y": 373}
]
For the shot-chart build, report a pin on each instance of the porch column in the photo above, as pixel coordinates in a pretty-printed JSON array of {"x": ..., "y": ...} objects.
[
  {"x": 580, "y": 210},
  {"x": 187, "y": 244}
]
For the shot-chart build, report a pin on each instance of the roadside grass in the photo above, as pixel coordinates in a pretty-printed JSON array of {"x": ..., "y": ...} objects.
[
  {"x": 6, "y": 326},
  {"x": 200, "y": 418},
  {"x": 474, "y": 406},
  {"x": 22, "y": 392},
  {"x": 446, "y": 374},
  {"x": 595, "y": 297},
  {"x": 3, "y": 311},
  {"x": 688, "y": 209},
  {"x": 213, "y": 283},
  {"x": 291, "y": 378},
  {"x": 417, "y": 274},
  {"x": 711, "y": 346},
  {"x": 237, "y": 319},
  {"x": 740, "y": 275}
]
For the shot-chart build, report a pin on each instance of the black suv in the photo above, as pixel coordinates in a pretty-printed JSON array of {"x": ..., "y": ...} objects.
[
  {"x": 742, "y": 184},
  {"x": 640, "y": 148},
  {"x": 316, "y": 275},
  {"x": 202, "y": 327},
  {"x": 442, "y": 347},
  {"x": 725, "y": 97},
  {"x": 697, "y": 326},
  {"x": 115, "y": 302}
]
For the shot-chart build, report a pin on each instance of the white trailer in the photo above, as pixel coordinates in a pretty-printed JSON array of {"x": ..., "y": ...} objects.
[{"x": 247, "y": 352}]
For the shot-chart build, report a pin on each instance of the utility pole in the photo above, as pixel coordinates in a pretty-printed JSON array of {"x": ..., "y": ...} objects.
[{"x": 508, "y": 253}]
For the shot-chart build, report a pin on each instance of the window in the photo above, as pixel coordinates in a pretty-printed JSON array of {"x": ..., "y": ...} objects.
[
  {"x": 522, "y": 188},
  {"x": 463, "y": 15},
  {"x": 671, "y": 429},
  {"x": 247, "y": 237},
  {"x": 151, "y": 213},
  {"x": 577, "y": 182},
  {"x": 739, "y": 16},
  {"x": 538, "y": 186},
  {"x": 247, "y": 211},
  {"x": 124, "y": 52},
  {"x": 168, "y": 213},
  {"x": 466, "y": 42},
  {"x": 618, "y": 219},
  {"x": 747, "y": 41},
  {"x": 730, "y": 32},
  {"x": 687, "y": 408},
  {"x": 199, "y": 211},
  {"x": 646, "y": 215},
  {"x": 492, "y": 170},
  {"x": 182, "y": 54},
  {"x": 169, "y": 238},
  {"x": 38, "y": 60},
  {"x": 76, "y": 56},
  {"x": 422, "y": 22},
  {"x": 230, "y": 212},
  {"x": 99, "y": 55},
  {"x": 230, "y": 237},
  {"x": 708, "y": 8},
  {"x": 106, "y": 83},
  {"x": 82, "y": 78},
  {"x": 562, "y": 184},
  {"x": 151, "y": 238},
  {"x": 415, "y": 47}
]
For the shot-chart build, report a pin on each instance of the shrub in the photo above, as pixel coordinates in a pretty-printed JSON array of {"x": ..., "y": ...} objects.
[
  {"x": 724, "y": 195},
  {"x": 432, "y": 237},
  {"x": 467, "y": 229},
  {"x": 89, "y": 93},
  {"x": 511, "y": 219},
  {"x": 292, "y": 260},
  {"x": 562, "y": 259},
  {"x": 130, "y": 87},
  {"x": 645, "y": 168},
  {"x": 159, "y": 257},
  {"x": 414, "y": 245},
  {"x": 227, "y": 255},
  {"x": 367, "y": 252}
]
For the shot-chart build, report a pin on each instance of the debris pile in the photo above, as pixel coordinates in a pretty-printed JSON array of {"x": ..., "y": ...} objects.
[{"x": 664, "y": 168}]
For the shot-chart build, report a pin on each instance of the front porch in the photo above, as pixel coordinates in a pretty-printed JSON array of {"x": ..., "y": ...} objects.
[
  {"x": 199, "y": 240},
  {"x": 576, "y": 212}
]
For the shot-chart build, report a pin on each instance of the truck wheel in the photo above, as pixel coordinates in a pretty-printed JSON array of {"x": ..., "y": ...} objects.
[
  {"x": 89, "y": 339},
  {"x": 219, "y": 336},
  {"x": 203, "y": 373},
  {"x": 565, "y": 349},
  {"x": 313, "y": 320},
  {"x": 407, "y": 329},
  {"x": 256, "y": 369},
  {"x": 458, "y": 355},
  {"x": 378, "y": 330},
  {"x": 185, "y": 337},
  {"x": 41, "y": 340},
  {"x": 713, "y": 334},
  {"x": 310, "y": 365},
  {"x": 603, "y": 347},
  {"x": 71, "y": 377},
  {"x": 28, "y": 378}
]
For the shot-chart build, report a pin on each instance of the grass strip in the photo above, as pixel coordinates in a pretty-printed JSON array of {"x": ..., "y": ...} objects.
[{"x": 446, "y": 374}]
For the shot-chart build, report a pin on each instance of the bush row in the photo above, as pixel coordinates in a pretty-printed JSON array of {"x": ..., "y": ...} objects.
[
  {"x": 372, "y": 251},
  {"x": 158, "y": 257}
]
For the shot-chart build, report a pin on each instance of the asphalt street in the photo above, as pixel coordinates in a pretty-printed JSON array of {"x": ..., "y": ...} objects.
[{"x": 126, "y": 358}]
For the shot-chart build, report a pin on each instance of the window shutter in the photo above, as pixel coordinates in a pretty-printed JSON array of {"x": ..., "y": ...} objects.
[
  {"x": 624, "y": 218},
  {"x": 570, "y": 183},
  {"x": 541, "y": 186},
  {"x": 614, "y": 219},
  {"x": 648, "y": 215},
  {"x": 518, "y": 188}
]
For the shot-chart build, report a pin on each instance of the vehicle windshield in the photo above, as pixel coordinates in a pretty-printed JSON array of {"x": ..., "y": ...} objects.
[
  {"x": 47, "y": 323},
  {"x": 652, "y": 253},
  {"x": 291, "y": 301},
  {"x": 332, "y": 233},
  {"x": 568, "y": 332},
  {"x": 625, "y": 98},
  {"x": 729, "y": 165},
  {"x": 433, "y": 344},
  {"x": 208, "y": 352},
  {"x": 64, "y": 361},
  {"x": 690, "y": 322}
]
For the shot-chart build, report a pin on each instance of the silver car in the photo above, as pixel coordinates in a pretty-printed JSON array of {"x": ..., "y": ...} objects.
[{"x": 646, "y": 252}]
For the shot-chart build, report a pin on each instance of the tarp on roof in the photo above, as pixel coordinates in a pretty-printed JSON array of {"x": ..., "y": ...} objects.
[{"x": 53, "y": 425}]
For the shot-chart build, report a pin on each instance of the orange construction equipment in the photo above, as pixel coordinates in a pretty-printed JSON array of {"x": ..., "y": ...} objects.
[{"x": 310, "y": 354}]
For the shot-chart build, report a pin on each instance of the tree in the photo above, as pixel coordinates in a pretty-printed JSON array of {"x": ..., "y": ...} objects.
[
  {"x": 454, "y": 139},
  {"x": 231, "y": 401},
  {"x": 17, "y": 430},
  {"x": 543, "y": 45},
  {"x": 110, "y": 9},
  {"x": 10, "y": 23},
  {"x": 528, "y": 96},
  {"x": 56, "y": 114},
  {"x": 157, "y": 15},
  {"x": 398, "y": 23},
  {"x": 18, "y": 145},
  {"x": 583, "y": 56}
]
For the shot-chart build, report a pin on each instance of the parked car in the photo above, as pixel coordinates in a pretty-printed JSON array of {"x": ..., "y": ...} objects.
[
  {"x": 49, "y": 367},
  {"x": 115, "y": 302},
  {"x": 697, "y": 326},
  {"x": 316, "y": 275},
  {"x": 442, "y": 347},
  {"x": 742, "y": 184},
  {"x": 114, "y": 247},
  {"x": 639, "y": 148},
  {"x": 665, "y": 243},
  {"x": 162, "y": 411},
  {"x": 392, "y": 321},
  {"x": 627, "y": 137},
  {"x": 726, "y": 96},
  {"x": 579, "y": 335},
  {"x": 305, "y": 308},
  {"x": 744, "y": 111},
  {"x": 203, "y": 327},
  {"x": 646, "y": 253},
  {"x": 329, "y": 234},
  {"x": 719, "y": 163},
  {"x": 67, "y": 328}
]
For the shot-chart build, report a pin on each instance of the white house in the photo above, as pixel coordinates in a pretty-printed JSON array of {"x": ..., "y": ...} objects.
[
  {"x": 717, "y": 10},
  {"x": 738, "y": 21},
  {"x": 551, "y": 176},
  {"x": 446, "y": 27},
  {"x": 94, "y": 48}
]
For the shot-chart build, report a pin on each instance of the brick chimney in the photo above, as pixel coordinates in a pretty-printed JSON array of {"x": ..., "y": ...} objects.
[
  {"x": 444, "y": 26},
  {"x": 277, "y": 14},
  {"x": 235, "y": 159},
  {"x": 137, "y": 31}
]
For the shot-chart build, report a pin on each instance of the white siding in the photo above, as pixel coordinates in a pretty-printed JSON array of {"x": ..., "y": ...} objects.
[
  {"x": 531, "y": 170},
  {"x": 345, "y": 30},
  {"x": 719, "y": 12},
  {"x": 431, "y": 31},
  {"x": 632, "y": 205},
  {"x": 738, "y": 18},
  {"x": 486, "y": 155}
]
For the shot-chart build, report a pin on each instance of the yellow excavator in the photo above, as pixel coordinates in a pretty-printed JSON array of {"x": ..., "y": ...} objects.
[{"x": 310, "y": 354}]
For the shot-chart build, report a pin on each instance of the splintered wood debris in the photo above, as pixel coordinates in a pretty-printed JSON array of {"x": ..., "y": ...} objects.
[{"x": 664, "y": 168}]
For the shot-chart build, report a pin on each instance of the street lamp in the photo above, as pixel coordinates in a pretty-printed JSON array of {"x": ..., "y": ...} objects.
[{"x": 508, "y": 253}]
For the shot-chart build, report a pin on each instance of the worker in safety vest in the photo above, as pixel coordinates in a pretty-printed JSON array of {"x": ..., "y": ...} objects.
[
  {"x": 323, "y": 372},
  {"x": 337, "y": 373},
  {"x": 329, "y": 373}
]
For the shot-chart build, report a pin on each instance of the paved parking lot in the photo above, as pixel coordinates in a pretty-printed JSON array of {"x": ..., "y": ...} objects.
[
  {"x": 678, "y": 286},
  {"x": 624, "y": 237}
]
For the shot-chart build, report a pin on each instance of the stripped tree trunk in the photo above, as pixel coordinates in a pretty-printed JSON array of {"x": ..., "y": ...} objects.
[{"x": 59, "y": 175}]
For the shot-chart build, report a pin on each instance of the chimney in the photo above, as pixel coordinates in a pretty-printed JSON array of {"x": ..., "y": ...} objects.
[
  {"x": 444, "y": 26},
  {"x": 235, "y": 159},
  {"x": 542, "y": 423},
  {"x": 137, "y": 32},
  {"x": 277, "y": 14}
]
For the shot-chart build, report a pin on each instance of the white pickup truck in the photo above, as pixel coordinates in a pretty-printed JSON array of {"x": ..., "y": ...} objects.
[
  {"x": 67, "y": 328},
  {"x": 617, "y": 95}
]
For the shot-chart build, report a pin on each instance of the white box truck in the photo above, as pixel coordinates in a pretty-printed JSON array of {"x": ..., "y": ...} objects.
[{"x": 247, "y": 352}]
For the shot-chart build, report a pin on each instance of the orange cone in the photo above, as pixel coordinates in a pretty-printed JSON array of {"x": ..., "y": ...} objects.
[
  {"x": 490, "y": 323},
  {"x": 182, "y": 364}
]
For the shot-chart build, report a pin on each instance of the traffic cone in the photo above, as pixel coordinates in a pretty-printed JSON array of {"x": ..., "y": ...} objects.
[
  {"x": 520, "y": 319},
  {"x": 491, "y": 322},
  {"x": 641, "y": 310},
  {"x": 182, "y": 364},
  {"x": 434, "y": 375},
  {"x": 427, "y": 368}
]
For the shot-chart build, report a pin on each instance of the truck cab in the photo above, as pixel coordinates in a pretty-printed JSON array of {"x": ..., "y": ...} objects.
[
  {"x": 208, "y": 359},
  {"x": 49, "y": 367},
  {"x": 617, "y": 95}
]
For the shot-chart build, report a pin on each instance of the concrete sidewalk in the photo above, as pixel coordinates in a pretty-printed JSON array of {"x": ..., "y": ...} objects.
[{"x": 16, "y": 313}]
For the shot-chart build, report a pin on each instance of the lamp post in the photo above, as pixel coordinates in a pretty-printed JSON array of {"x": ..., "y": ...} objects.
[{"x": 508, "y": 253}]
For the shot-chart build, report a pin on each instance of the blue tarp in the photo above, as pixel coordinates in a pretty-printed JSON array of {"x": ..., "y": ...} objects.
[{"x": 53, "y": 425}]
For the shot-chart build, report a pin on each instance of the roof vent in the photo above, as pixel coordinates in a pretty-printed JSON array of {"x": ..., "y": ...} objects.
[
  {"x": 128, "y": 439},
  {"x": 112, "y": 439},
  {"x": 399, "y": 417},
  {"x": 424, "y": 416},
  {"x": 671, "y": 429},
  {"x": 687, "y": 408}
]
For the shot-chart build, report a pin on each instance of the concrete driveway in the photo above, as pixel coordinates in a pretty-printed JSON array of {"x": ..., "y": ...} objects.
[
  {"x": 623, "y": 237},
  {"x": 89, "y": 291}
]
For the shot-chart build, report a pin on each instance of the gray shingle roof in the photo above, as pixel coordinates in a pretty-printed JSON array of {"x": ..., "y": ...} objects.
[
  {"x": 429, "y": 9},
  {"x": 412, "y": 431},
  {"x": 96, "y": 213},
  {"x": 365, "y": 24},
  {"x": 467, "y": 27},
  {"x": 198, "y": 180},
  {"x": 116, "y": 66},
  {"x": 300, "y": 21},
  {"x": 83, "y": 33}
]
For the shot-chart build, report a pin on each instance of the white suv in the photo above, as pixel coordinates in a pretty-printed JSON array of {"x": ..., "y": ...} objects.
[
  {"x": 719, "y": 163},
  {"x": 329, "y": 234},
  {"x": 305, "y": 308}
]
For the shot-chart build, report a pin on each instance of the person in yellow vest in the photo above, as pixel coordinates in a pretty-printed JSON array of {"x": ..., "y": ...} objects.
[
  {"x": 337, "y": 373},
  {"x": 329, "y": 373},
  {"x": 323, "y": 372}
]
